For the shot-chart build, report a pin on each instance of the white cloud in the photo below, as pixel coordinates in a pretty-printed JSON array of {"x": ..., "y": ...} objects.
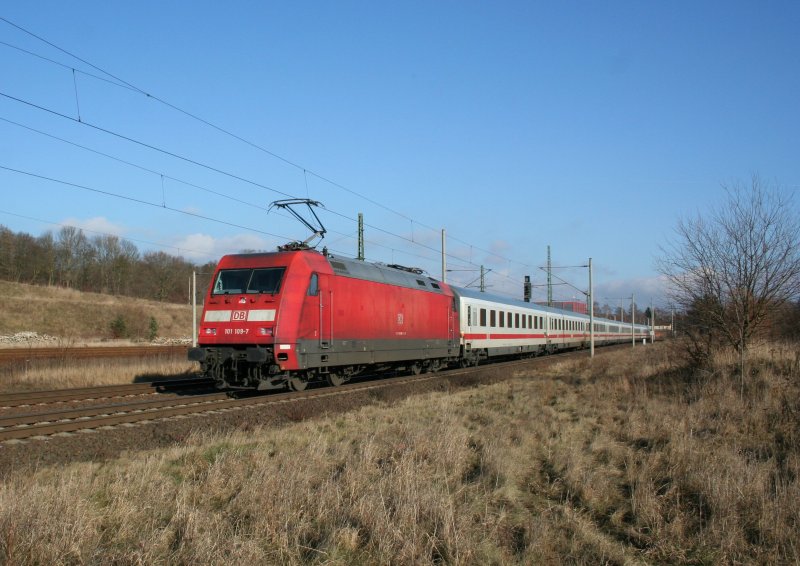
[
  {"x": 96, "y": 225},
  {"x": 500, "y": 248},
  {"x": 202, "y": 247}
]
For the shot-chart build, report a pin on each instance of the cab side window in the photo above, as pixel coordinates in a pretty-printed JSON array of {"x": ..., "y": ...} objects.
[{"x": 313, "y": 285}]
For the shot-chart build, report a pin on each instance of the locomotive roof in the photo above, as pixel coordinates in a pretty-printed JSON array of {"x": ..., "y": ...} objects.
[{"x": 383, "y": 274}]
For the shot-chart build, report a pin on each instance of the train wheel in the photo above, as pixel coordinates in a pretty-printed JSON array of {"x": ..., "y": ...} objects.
[
  {"x": 416, "y": 369},
  {"x": 334, "y": 379},
  {"x": 297, "y": 384}
]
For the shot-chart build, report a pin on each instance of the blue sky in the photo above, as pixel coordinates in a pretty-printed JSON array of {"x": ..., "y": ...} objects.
[{"x": 513, "y": 125}]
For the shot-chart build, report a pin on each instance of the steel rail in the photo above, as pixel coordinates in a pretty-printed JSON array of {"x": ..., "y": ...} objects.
[
  {"x": 100, "y": 392},
  {"x": 71, "y": 414}
]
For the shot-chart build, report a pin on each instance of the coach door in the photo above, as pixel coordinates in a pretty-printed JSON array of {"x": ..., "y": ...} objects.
[{"x": 452, "y": 323}]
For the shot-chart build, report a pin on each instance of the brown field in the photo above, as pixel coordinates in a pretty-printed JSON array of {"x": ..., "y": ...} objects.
[
  {"x": 627, "y": 459},
  {"x": 74, "y": 316}
]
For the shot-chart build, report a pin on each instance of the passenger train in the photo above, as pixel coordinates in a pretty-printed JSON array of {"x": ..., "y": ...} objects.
[{"x": 290, "y": 318}]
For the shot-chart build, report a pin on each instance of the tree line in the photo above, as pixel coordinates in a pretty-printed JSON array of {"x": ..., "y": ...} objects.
[{"x": 101, "y": 264}]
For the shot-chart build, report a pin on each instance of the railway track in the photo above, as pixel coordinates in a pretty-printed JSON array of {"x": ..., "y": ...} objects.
[
  {"x": 102, "y": 392},
  {"x": 44, "y": 424},
  {"x": 17, "y": 427},
  {"x": 11, "y": 355}
]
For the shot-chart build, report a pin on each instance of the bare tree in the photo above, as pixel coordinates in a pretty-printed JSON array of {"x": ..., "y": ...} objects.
[{"x": 734, "y": 267}]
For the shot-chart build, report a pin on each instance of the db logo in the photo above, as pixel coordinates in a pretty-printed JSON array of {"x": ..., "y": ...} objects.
[{"x": 239, "y": 315}]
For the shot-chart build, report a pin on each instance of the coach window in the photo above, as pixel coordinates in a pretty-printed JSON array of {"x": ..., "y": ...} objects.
[
  {"x": 483, "y": 317},
  {"x": 501, "y": 318},
  {"x": 492, "y": 321},
  {"x": 469, "y": 315},
  {"x": 524, "y": 320},
  {"x": 313, "y": 285},
  {"x": 510, "y": 321}
]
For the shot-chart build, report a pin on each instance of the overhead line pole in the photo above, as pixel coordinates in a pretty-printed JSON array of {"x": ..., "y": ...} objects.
[
  {"x": 361, "y": 236},
  {"x": 591, "y": 312},
  {"x": 549, "y": 279},
  {"x": 194, "y": 308}
]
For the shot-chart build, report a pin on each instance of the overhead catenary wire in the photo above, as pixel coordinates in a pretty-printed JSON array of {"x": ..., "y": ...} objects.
[
  {"x": 190, "y": 184},
  {"x": 200, "y": 164},
  {"x": 203, "y": 120},
  {"x": 139, "y": 201},
  {"x": 125, "y": 84},
  {"x": 107, "y": 234},
  {"x": 121, "y": 83},
  {"x": 117, "y": 81}
]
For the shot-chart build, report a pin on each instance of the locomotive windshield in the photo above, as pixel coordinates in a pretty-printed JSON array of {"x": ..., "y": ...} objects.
[{"x": 239, "y": 281}]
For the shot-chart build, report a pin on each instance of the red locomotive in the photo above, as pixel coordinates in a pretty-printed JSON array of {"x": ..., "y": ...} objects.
[{"x": 272, "y": 320}]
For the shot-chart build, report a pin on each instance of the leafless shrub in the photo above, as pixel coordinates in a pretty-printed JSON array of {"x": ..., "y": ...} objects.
[{"x": 731, "y": 269}]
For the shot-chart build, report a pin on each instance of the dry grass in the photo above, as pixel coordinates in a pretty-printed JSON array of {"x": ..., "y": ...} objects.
[
  {"x": 44, "y": 374},
  {"x": 622, "y": 460},
  {"x": 73, "y": 315}
]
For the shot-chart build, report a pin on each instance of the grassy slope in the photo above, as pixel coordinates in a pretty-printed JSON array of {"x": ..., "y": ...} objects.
[
  {"x": 73, "y": 315},
  {"x": 622, "y": 460}
]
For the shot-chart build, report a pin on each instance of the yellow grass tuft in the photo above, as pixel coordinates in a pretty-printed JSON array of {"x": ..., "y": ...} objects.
[{"x": 44, "y": 374}]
